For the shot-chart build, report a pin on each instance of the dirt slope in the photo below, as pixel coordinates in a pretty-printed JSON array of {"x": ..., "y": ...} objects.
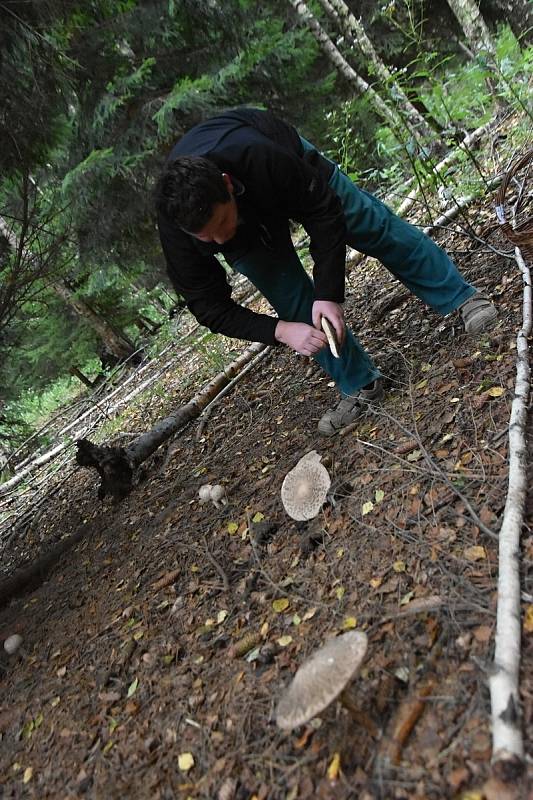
[{"x": 121, "y": 675}]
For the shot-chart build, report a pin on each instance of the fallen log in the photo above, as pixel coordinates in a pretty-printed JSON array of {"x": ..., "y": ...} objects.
[{"x": 117, "y": 465}]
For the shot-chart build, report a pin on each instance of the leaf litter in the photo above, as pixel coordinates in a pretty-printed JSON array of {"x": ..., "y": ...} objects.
[{"x": 165, "y": 680}]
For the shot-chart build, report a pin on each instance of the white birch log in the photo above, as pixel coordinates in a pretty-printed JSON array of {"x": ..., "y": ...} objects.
[
  {"x": 507, "y": 741},
  {"x": 474, "y": 26},
  {"x": 337, "y": 59},
  {"x": 354, "y": 31}
]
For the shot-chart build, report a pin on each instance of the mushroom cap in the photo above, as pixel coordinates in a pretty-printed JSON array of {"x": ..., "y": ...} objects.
[
  {"x": 12, "y": 643},
  {"x": 321, "y": 679},
  {"x": 217, "y": 492},
  {"x": 305, "y": 487},
  {"x": 204, "y": 492}
]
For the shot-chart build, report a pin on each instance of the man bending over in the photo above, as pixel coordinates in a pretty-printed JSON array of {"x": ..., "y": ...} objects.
[{"x": 231, "y": 185}]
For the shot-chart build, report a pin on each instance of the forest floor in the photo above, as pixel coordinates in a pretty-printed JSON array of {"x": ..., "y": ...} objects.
[{"x": 129, "y": 685}]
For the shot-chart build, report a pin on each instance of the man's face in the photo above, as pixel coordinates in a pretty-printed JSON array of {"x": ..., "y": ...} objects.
[{"x": 224, "y": 220}]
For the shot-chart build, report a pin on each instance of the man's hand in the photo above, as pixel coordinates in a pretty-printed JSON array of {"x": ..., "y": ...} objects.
[
  {"x": 332, "y": 312},
  {"x": 303, "y": 338}
]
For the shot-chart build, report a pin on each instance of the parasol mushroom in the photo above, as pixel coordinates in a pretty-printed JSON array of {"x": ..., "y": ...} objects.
[
  {"x": 204, "y": 492},
  {"x": 218, "y": 495},
  {"x": 12, "y": 645},
  {"x": 305, "y": 487},
  {"x": 323, "y": 678}
]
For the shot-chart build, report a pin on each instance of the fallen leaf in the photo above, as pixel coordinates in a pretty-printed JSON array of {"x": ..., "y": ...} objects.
[
  {"x": 379, "y": 495},
  {"x": 221, "y": 616},
  {"x": 406, "y": 598},
  {"x": 339, "y": 592},
  {"x": 280, "y": 605},
  {"x": 375, "y": 583},
  {"x": 367, "y": 507},
  {"x": 399, "y": 566},
  {"x": 309, "y": 614},
  {"x": 133, "y": 687},
  {"x": 528, "y": 619},
  {"x": 349, "y": 623},
  {"x": 284, "y": 641},
  {"x": 232, "y": 527},
  {"x": 28, "y": 775},
  {"x": 415, "y": 455},
  {"x": 482, "y": 633},
  {"x": 475, "y": 553},
  {"x": 258, "y": 517},
  {"x": 334, "y": 767},
  {"x": 185, "y": 761},
  {"x": 496, "y": 391}
]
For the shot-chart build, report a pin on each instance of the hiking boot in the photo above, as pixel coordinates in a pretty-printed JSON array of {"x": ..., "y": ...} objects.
[
  {"x": 478, "y": 313},
  {"x": 372, "y": 391},
  {"x": 348, "y": 409}
]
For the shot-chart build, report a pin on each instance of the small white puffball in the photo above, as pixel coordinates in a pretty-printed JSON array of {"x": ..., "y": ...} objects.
[
  {"x": 204, "y": 492},
  {"x": 12, "y": 643},
  {"x": 218, "y": 495}
]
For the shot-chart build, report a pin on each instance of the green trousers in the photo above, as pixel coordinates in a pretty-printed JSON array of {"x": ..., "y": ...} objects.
[{"x": 373, "y": 229}]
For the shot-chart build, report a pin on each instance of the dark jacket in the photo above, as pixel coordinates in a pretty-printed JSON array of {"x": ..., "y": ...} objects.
[{"x": 276, "y": 182}]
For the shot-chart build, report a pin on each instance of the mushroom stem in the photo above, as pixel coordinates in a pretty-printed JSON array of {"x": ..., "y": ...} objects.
[{"x": 349, "y": 702}]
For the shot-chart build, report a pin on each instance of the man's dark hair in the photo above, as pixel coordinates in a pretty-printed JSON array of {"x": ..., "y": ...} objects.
[{"x": 188, "y": 190}]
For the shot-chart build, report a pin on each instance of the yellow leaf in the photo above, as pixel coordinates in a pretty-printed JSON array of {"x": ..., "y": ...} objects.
[
  {"x": 472, "y": 796},
  {"x": 185, "y": 761},
  {"x": 221, "y": 616},
  {"x": 264, "y": 629},
  {"x": 528, "y": 619},
  {"x": 367, "y": 507},
  {"x": 284, "y": 641},
  {"x": 349, "y": 623},
  {"x": 280, "y": 605},
  {"x": 258, "y": 517},
  {"x": 496, "y": 391},
  {"x": 334, "y": 767},
  {"x": 309, "y": 614},
  {"x": 339, "y": 591},
  {"x": 375, "y": 583},
  {"x": 425, "y": 367},
  {"x": 399, "y": 566},
  {"x": 232, "y": 527},
  {"x": 379, "y": 495},
  {"x": 414, "y": 456},
  {"x": 55, "y": 702},
  {"x": 28, "y": 775},
  {"x": 422, "y": 384},
  {"x": 406, "y": 598},
  {"x": 133, "y": 687},
  {"x": 339, "y": 552},
  {"x": 296, "y": 620},
  {"x": 475, "y": 553}
]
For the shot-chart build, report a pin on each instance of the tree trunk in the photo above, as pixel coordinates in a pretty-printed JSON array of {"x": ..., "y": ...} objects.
[
  {"x": 360, "y": 85},
  {"x": 474, "y": 26},
  {"x": 355, "y": 32},
  {"x": 118, "y": 343},
  {"x": 117, "y": 465}
]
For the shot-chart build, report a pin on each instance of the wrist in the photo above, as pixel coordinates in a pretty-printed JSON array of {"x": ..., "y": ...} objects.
[{"x": 279, "y": 332}]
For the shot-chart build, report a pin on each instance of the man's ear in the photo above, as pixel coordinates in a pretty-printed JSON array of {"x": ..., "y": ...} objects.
[{"x": 227, "y": 180}]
